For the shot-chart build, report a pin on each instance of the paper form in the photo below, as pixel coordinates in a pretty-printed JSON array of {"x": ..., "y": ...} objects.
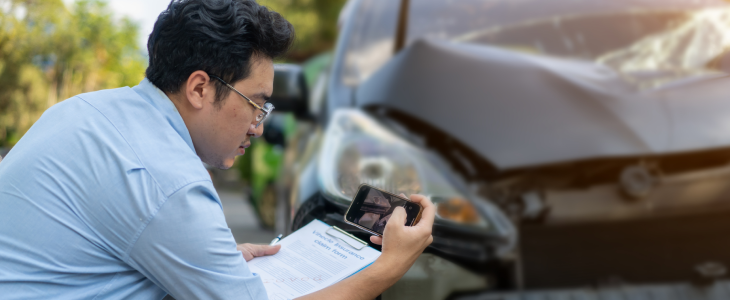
[{"x": 309, "y": 260}]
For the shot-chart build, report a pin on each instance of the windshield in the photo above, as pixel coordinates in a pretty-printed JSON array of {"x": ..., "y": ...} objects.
[
  {"x": 648, "y": 44},
  {"x": 649, "y": 48},
  {"x": 581, "y": 36}
]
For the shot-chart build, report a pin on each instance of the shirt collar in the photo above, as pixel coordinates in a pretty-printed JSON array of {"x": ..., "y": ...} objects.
[{"x": 164, "y": 105}]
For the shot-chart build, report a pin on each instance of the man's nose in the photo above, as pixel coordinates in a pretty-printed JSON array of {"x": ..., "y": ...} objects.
[{"x": 256, "y": 132}]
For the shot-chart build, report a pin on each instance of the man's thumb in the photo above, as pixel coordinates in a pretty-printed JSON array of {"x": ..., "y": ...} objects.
[
  {"x": 398, "y": 216},
  {"x": 261, "y": 250},
  {"x": 271, "y": 250}
]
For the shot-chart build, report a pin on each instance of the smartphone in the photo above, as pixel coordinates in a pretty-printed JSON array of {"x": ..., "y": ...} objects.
[{"x": 371, "y": 209}]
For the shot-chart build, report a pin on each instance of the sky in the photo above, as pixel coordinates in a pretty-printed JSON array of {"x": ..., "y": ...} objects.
[{"x": 144, "y": 12}]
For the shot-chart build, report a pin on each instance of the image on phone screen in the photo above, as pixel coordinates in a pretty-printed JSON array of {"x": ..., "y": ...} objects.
[{"x": 375, "y": 209}]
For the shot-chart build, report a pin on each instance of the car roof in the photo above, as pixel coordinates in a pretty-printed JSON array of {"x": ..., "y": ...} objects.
[{"x": 502, "y": 12}]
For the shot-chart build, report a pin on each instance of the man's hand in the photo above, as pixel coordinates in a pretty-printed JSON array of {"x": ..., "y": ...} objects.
[
  {"x": 403, "y": 244},
  {"x": 250, "y": 251},
  {"x": 401, "y": 247}
]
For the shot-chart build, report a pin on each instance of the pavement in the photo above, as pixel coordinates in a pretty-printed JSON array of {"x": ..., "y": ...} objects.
[{"x": 242, "y": 219}]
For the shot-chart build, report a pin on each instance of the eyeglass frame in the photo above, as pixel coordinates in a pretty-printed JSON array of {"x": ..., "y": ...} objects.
[{"x": 267, "y": 109}]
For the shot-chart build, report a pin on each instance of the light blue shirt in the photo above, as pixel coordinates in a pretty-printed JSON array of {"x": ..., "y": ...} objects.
[{"x": 105, "y": 198}]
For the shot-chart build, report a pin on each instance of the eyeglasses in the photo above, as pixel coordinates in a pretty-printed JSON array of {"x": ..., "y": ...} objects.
[{"x": 266, "y": 110}]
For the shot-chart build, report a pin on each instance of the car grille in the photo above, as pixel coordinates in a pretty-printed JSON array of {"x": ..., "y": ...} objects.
[
  {"x": 645, "y": 251},
  {"x": 680, "y": 291}
]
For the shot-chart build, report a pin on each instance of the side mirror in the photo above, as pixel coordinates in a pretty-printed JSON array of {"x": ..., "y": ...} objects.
[
  {"x": 274, "y": 133},
  {"x": 290, "y": 90}
]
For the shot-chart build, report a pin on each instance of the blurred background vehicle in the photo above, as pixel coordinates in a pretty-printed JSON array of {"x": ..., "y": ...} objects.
[{"x": 576, "y": 146}]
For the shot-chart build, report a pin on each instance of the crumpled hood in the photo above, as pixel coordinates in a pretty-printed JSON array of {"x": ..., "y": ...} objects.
[{"x": 521, "y": 110}]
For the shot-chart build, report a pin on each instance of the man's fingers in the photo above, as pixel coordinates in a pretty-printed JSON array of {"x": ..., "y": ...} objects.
[
  {"x": 250, "y": 251},
  {"x": 245, "y": 252},
  {"x": 261, "y": 250},
  {"x": 398, "y": 217},
  {"x": 416, "y": 197},
  {"x": 429, "y": 210},
  {"x": 376, "y": 240},
  {"x": 271, "y": 250}
]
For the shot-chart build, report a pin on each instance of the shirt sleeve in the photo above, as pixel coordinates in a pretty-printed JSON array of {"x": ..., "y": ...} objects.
[{"x": 188, "y": 250}]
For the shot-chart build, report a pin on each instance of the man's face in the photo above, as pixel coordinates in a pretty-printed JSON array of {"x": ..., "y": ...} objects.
[{"x": 228, "y": 128}]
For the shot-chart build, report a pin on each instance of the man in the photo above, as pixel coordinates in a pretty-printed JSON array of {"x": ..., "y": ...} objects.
[{"x": 106, "y": 197}]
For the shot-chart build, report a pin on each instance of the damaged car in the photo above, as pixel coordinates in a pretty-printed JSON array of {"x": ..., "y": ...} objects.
[{"x": 572, "y": 147}]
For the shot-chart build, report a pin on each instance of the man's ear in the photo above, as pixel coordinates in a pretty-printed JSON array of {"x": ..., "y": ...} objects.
[{"x": 198, "y": 89}]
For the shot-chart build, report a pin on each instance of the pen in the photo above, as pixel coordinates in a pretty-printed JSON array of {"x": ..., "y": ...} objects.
[{"x": 275, "y": 240}]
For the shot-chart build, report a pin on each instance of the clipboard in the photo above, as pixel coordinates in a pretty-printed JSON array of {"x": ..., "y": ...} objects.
[
  {"x": 346, "y": 238},
  {"x": 311, "y": 258}
]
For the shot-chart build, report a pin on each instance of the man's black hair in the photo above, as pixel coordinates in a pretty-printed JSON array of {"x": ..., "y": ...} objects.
[{"x": 219, "y": 37}]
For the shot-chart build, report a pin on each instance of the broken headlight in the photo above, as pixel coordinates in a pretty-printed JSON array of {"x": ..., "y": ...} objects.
[{"x": 357, "y": 149}]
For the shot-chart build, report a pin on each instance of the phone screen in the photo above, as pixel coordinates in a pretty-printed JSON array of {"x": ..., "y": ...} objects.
[{"x": 372, "y": 208}]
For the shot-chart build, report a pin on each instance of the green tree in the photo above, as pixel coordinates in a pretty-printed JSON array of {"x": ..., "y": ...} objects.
[
  {"x": 315, "y": 22},
  {"x": 49, "y": 53}
]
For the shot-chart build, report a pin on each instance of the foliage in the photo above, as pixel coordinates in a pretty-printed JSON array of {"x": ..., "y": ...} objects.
[
  {"x": 315, "y": 22},
  {"x": 49, "y": 53}
]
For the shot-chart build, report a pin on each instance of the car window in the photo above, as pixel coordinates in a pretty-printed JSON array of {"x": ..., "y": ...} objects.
[
  {"x": 694, "y": 35},
  {"x": 451, "y": 19},
  {"x": 371, "y": 42},
  {"x": 650, "y": 48},
  {"x": 585, "y": 36},
  {"x": 651, "y": 42}
]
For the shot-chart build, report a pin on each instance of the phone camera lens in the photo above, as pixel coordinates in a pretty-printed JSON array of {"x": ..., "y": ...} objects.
[{"x": 410, "y": 207}]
